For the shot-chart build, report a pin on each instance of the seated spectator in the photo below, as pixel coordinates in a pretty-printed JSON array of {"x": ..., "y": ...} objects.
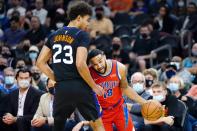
[
  {"x": 3, "y": 64},
  {"x": 164, "y": 22},
  {"x": 22, "y": 104},
  {"x": 13, "y": 35},
  {"x": 22, "y": 49},
  {"x": 176, "y": 86},
  {"x": 37, "y": 81},
  {"x": 138, "y": 84},
  {"x": 101, "y": 25},
  {"x": 171, "y": 120},
  {"x": 40, "y": 12},
  {"x": 192, "y": 60},
  {"x": 37, "y": 34},
  {"x": 16, "y": 5},
  {"x": 100, "y": 3},
  {"x": 43, "y": 119},
  {"x": 151, "y": 77},
  {"x": 9, "y": 84},
  {"x": 139, "y": 8},
  {"x": 33, "y": 54},
  {"x": 4, "y": 20},
  {"x": 169, "y": 71},
  {"x": 7, "y": 53}
]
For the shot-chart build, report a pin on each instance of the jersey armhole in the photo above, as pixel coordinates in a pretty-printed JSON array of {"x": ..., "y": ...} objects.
[{"x": 117, "y": 71}]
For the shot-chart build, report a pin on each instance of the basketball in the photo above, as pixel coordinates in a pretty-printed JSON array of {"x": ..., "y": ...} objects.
[{"x": 152, "y": 110}]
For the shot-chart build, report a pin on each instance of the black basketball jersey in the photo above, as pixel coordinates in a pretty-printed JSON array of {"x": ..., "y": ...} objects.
[{"x": 64, "y": 43}]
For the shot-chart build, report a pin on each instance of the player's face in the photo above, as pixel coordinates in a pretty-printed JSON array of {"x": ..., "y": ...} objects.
[
  {"x": 84, "y": 22},
  {"x": 99, "y": 63}
]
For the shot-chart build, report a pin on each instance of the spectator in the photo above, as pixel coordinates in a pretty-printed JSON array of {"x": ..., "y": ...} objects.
[
  {"x": 33, "y": 54},
  {"x": 9, "y": 81},
  {"x": 100, "y": 3},
  {"x": 171, "y": 120},
  {"x": 144, "y": 43},
  {"x": 4, "y": 21},
  {"x": 176, "y": 86},
  {"x": 164, "y": 22},
  {"x": 6, "y": 52},
  {"x": 101, "y": 25},
  {"x": 40, "y": 12},
  {"x": 16, "y": 5},
  {"x": 139, "y": 8},
  {"x": 23, "y": 103},
  {"x": 13, "y": 35},
  {"x": 37, "y": 34},
  {"x": 118, "y": 53},
  {"x": 37, "y": 81},
  {"x": 151, "y": 77},
  {"x": 43, "y": 119},
  {"x": 138, "y": 84}
]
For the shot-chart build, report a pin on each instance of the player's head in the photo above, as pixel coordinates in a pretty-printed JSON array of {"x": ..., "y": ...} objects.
[
  {"x": 159, "y": 91},
  {"x": 80, "y": 12},
  {"x": 97, "y": 59}
]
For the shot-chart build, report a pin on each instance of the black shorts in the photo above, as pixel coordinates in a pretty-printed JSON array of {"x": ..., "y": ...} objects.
[{"x": 73, "y": 94}]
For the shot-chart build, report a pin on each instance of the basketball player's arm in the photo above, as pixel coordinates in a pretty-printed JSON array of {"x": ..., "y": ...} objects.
[
  {"x": 42, "y": 60},
  {"x": 127, "y": 90},
  {"x": 82, "y": 67}
]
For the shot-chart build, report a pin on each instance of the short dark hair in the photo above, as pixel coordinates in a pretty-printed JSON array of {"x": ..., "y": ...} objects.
[
  {"x": 23, "y": 70},
  {"x": 94, "y": 53},
  {"x": 14, "y": 18},
  {"x": 79, "y": 8}
]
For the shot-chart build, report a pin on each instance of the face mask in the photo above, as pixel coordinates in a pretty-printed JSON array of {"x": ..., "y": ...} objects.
[
  {"x": 116, "y": 47},
  {"x": 173, "y": 87},
  {"x": 33, "y": 55},
  {"x": 159, "y": 98},
  {"x": 23, "y": 83},
  {"x": 99, "y": 16},
  {"x": 177, "y": 64},
  {"x": 194, "y": 53},
  {"x": 9, "y": 80},
  {"x": 181, "y": 3},
  {"x": 170, "y": 73},
  {"x": 2, "y": 67},
  {"x": 6, "y": 55},
  {"x": 36, "y": 76},
  {"x": 144, "y": 35},
  {"x": 52, "y": 90},
  {"x": 149, "y": 83},
  {"x": 26, "y": 48},
  {"x": 59, "y": 25},
  {"x": 139, "y": 88}
]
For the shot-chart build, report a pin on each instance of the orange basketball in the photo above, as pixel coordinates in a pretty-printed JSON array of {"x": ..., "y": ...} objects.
[{"x": 152, "y": 110}]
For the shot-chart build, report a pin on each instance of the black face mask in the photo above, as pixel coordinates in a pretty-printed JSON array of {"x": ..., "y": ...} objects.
[
  {"x": 52, "y": 90},
  {"x": 144, "y": 35},
  {"x": 26, "y": 48},
  {"x": 99, "y": 16},
  {"x": 6, "y": 55},
  {"x": 2, "y": 67},
  {"x": 36, "y": 76},
  {"x": 116, "y": 47},
  {"x": 149, "y": 83}
]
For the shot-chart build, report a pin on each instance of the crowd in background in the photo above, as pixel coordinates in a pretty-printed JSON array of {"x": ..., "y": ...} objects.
[{"x": 155, "y": 39}]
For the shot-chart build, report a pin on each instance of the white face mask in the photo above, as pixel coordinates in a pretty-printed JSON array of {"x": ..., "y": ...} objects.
[
  {"x": 9, "y": 80},
  {"x": 138, "y": 87},
  {"x": 159, "y": 98},
  {"x": 23, "y": 83}
]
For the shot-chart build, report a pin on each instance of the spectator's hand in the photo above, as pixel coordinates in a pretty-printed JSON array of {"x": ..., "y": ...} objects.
[
  {"x": 38, "y": 122},
  {"x": 99, "y": 90},
  {"x": 80, "y": 125},
  {"x": 153, "y": 54},
  {"x": 184, "y": 98},
  {"x": 9, "y": 119},
  {"x": 168, "y": 120}
]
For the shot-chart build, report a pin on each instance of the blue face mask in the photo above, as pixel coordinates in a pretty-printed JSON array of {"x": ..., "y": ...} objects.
[
  {"x": 33, "y": 55},
  {"x": 139, "y": 88},
  {"x": 9, "y": 80},
  {"x": 170, "y": 73},
  {"x": 159, "y": 98},
  {"x": 173, "y": 87}
]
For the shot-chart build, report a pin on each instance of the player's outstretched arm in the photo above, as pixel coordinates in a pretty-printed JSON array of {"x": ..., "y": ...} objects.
[
  {"x": 83, "y": 70},
  {"x": 127, "y": 90},
  {"x": 42, "y": 60}
]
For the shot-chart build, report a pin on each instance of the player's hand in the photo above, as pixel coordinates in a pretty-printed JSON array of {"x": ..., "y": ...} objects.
[
  {"x": 169, "y": 120},
  {"x": 99, "y": 90}
]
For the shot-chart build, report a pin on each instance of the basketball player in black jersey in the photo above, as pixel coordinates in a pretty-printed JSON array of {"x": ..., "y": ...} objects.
[{"x": 75, "y": 87}]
